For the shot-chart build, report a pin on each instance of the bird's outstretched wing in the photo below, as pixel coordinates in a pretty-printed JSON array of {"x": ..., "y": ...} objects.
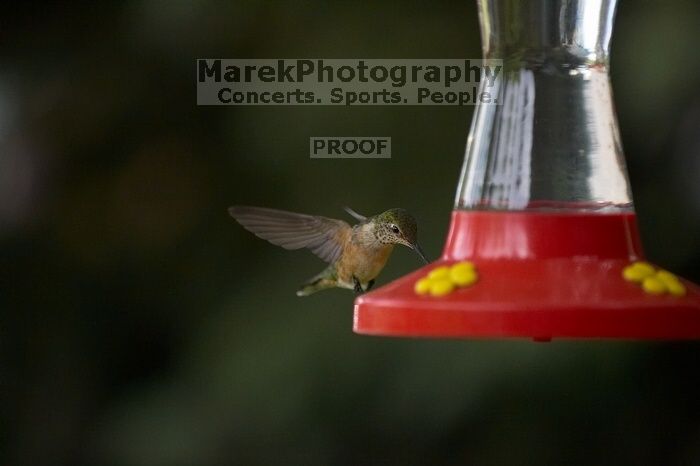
[{"x": 323, "y": 236}]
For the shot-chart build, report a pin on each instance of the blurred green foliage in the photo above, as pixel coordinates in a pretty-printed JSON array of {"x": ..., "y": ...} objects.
[{"x": 141, "y": 326}]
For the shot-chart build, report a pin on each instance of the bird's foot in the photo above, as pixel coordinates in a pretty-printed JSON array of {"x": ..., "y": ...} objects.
[
  {"x": 370, "y": 284},
  {"x": 358, "y": 286}
]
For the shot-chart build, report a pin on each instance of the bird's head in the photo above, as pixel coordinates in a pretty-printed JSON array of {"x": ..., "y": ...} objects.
[{"x": 397, "y": 226}]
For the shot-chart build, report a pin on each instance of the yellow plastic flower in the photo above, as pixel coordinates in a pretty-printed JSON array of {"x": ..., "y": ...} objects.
[
  {"x": 653, "y": 281},
  {"x": 443, "y": 280},
  {"x": 439, "y": 272},
  {"x": 463, "y": 274},
  {"x": 653, "y": 285},
  {"x": 637, "y": 272},
  {"x": 441, "y": 287},
  {"x": 422, "y": 286}
]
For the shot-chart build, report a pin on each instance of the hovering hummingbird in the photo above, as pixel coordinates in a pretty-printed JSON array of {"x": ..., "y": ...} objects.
[{"x": 355, "y": 254}]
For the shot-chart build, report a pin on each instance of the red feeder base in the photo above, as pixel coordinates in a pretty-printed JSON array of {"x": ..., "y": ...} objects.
[{"x": 541, "y": 276}]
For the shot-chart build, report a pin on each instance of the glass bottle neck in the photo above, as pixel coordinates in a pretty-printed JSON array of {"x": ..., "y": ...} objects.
[
  {"x": 576, "y": 31},
  {"x": 552, "y": 141}
]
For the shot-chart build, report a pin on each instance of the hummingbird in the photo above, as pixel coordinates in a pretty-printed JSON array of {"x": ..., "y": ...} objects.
[{"x": 355, "y": 254}]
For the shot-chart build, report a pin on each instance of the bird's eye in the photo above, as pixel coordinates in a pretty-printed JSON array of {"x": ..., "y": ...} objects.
[{"x": 395, "y": 229}]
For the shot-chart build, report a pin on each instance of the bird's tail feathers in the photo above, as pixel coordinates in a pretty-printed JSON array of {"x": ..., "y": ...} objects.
[{"x": 322, "y": 281}]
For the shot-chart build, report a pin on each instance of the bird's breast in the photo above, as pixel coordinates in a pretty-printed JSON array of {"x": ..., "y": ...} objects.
[{"x": 362, "y": 262}]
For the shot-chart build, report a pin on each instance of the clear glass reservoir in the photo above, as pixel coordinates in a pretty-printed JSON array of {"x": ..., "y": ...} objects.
[{"x": 553, "y": 142}]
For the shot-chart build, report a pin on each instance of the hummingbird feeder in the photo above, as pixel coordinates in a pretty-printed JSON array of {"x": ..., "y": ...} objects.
[{"x": 544, "y": 232}]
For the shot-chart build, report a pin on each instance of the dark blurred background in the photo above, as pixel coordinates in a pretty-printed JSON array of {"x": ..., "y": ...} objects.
[{"x": 140, "y": 325}]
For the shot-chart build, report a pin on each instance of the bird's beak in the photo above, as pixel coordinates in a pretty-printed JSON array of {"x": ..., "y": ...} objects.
[{"x": 416, "y": 247}]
